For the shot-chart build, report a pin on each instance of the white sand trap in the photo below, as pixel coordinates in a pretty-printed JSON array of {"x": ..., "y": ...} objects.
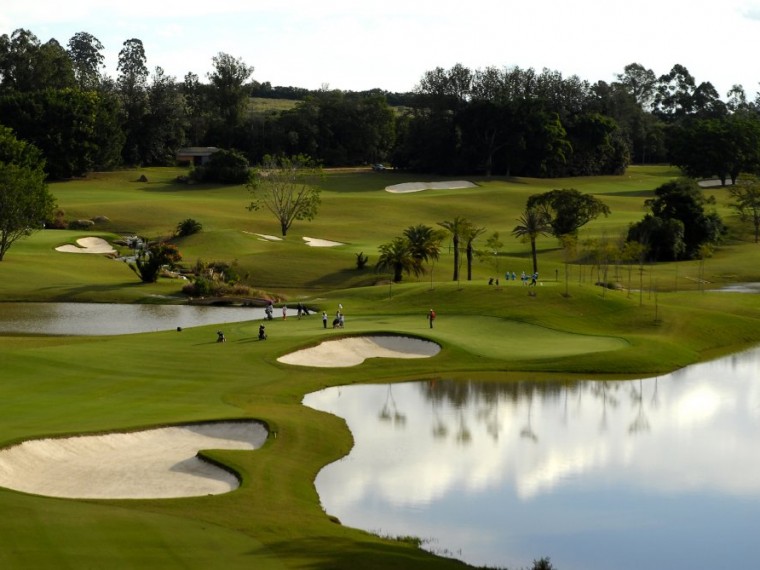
[
  {"x": 153, "y": 464},
  {"x": 407, "y": 187},
  {"x": 313, "y": 242},
  {"x": 269, "y": 238},
  {"x": 353, "y": 351},
  {"x": 88, "y": 245}
]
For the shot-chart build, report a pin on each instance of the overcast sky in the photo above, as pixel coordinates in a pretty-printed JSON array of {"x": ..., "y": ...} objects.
[{"x": 357, "y": 45}]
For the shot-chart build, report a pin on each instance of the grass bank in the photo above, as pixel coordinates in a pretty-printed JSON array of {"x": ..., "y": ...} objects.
[{"x": 52, "y": 386}]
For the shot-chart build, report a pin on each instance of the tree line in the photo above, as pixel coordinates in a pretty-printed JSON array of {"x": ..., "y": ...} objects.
[{"x": 492, "y": 121}]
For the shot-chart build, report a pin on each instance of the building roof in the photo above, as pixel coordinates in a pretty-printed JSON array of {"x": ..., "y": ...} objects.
[{"x": 197, "y": 151}]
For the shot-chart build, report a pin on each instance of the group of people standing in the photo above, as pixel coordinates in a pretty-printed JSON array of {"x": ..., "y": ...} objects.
[
  {"x": 337, "y": 323},
  {"x": 527, "y": 279}
]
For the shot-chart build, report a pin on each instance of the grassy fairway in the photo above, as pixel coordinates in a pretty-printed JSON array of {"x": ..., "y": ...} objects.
[{"x": 60, "y": 385}]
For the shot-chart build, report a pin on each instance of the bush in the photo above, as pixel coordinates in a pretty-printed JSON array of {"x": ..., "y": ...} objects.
[
  {"x": 188, "y": 227},
  {"x": 80, "y": 224},
  {"x": 150, "y": 260},
  {"x": 225, "y": 166},
  {"x": 57, "y": 222}
]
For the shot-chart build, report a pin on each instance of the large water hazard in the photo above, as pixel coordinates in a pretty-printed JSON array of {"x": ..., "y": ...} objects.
[
  {"x": 113, "y": 319},
  {"x": 653, "y": 473}
]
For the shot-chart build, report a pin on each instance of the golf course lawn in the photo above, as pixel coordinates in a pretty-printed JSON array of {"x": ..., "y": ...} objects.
[{"x": 66, "y": 386}]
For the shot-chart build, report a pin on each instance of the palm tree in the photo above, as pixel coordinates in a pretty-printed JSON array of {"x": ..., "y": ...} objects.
[
  {"x": 425, "y": 242},
  {"x": 533, "y": 222},
  {"x": 396, "y": 256},
  {"x": 456, "y": 228},
  {"x": 470, "y": 234}
]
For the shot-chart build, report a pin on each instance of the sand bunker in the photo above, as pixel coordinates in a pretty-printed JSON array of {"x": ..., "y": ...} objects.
[
  {"x": 320, "y": 242},
  {"x": 267, "y": 237},
  {"x": 352, "y": 351},
  {"x": 420, "y": 186},
  {"x": 88, "y": 245},
  {"x": 152, "y": 464}
]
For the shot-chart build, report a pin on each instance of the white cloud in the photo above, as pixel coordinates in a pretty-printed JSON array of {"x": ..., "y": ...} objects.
[{"x": 359, "y": 45}]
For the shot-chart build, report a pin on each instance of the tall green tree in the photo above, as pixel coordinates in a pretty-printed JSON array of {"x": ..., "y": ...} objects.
[
  {"x": 85, "y": 51},
  {"x": 471, "y": 233},
  {"x": 165, "y": 120},
  {"x": 77, "y": 131},
  {"x": 533, "y": 223},
  {"x": 287, "y": 187},
  {"x": 679, "y": 211},
  {"x": 457, "y": 228},
  {"x": 569, "y": 209},
  {"x": 745, "y": 201},
  {"x": 228, "y": 90},
  {"x": 132, "y": 87},
  {"x": 398, "y": 258},
  {"x": 640, "y": 83},
  {"x": 25, "y": 202},
  {"x": 27, "y": 65},
  {"x": 424, "y": 242}
]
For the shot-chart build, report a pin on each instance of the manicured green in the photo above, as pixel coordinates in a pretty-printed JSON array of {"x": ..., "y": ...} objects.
[{"x": 57, "y": 386}]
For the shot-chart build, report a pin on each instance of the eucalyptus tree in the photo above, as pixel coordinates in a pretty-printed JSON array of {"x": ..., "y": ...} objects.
[
  {"x": 132, "y": 87},
  {"x": 85, "y": 51},
  {"x": 165, "y": 120},
  {"x": 533, "y": 222},
  {"x": 197, "y": 98},
  {"x": 228, "y": 91},
  {"x": 640, "y": 83},
  {"x": 27, "y": 65}
]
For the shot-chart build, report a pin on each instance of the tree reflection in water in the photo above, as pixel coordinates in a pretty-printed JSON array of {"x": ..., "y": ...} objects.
[
  {"x": 390, "y": 412},
  {"x": 640, "y": 422},
  {"x": 612, "y": 465}
]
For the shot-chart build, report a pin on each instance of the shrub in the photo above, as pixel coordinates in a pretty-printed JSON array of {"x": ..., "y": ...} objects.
[
  {"x": 151, "y": 259},
  {"x": 188, "y": 227},
  {"x": 225, "y": 166},
  {"x": 361, "y": 260},
  {"x": 80, "y": 224},
  {"x": 57, "y": 222}
]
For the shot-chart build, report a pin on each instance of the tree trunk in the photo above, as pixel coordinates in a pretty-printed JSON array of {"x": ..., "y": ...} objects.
[
  {"x": 456, "y": 259},
  {"x": 533, "y": 253},
  {"x": 469, "y": 262}
]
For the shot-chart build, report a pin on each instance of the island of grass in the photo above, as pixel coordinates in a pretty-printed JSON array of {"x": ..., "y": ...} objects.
[{"x": 662, "y": 318}]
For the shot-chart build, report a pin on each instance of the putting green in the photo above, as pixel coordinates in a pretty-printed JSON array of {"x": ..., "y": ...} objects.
[{"x": 512, "y": 340}]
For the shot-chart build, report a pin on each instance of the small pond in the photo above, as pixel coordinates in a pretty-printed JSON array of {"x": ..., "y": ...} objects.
[
  {"x": 654, "y": 473},
  {"x": 114, "y": 319}
]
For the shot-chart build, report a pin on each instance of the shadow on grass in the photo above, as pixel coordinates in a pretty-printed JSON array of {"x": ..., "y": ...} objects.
[
  {"x": 336, "y": 554},
  {"x": 86, "y": 291},
  {"x": 632, "y": 194},
  {"x": 347, "y": 278}
]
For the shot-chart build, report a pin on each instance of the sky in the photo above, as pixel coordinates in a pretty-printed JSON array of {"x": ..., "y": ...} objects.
[{"x": 358, "y": 45}]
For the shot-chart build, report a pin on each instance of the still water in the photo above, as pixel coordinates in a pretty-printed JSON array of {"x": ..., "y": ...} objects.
[
  {"x": 657, "y": 473},
  {"x": 113, "y": 319}
]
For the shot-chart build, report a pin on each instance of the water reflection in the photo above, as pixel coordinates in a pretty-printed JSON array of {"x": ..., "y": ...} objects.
[
  {"x": 653, "y": 473},
  {"x": 113, "y": 319}
]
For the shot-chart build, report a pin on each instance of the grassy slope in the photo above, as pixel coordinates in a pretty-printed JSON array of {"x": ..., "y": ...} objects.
[{"x": 53, "y": 386}]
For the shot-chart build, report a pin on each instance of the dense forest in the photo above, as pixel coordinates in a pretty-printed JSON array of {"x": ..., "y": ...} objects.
[{"x": 492, "y": 121}]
